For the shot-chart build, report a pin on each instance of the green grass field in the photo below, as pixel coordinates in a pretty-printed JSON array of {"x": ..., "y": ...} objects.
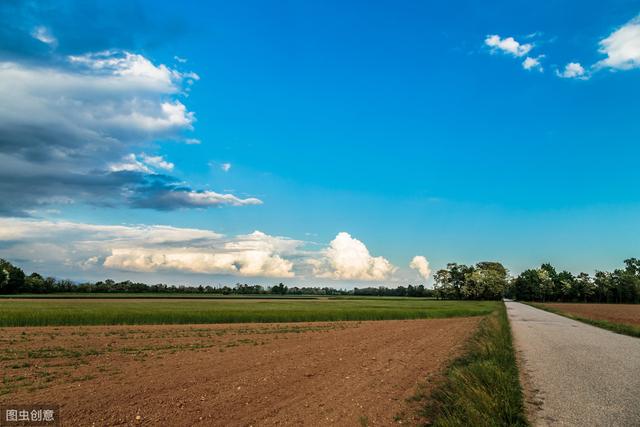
[{"x": 48, "y": 312}]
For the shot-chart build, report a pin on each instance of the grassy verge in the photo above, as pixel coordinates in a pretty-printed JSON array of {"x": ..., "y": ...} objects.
[
  {"x": 619, "y": 328},
  {"x": 482, "y": 388},
  {"x": 131, "y": 311}
]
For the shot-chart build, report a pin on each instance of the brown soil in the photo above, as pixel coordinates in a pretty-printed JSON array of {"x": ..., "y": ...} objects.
[
  {"x": 341, "y": 373},
  {"x": 617, "y": 313}
]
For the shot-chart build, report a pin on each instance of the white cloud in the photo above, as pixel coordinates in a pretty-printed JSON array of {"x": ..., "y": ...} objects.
[
  {"x": 157, "y": 162},
  {"x": 512, "y": 47},
  {"x": 244, "y": 263},
  {"x": 43, "y": 34},
  {"x": 622, "y": 47},
  {"x": 28, "y": 229},
  {"x": 348, "y": 258},
  {"x": 129, "y": 163},
  {"x": 192, "y": 141},
  {"x": 180, "y": 60},
  {"x": 146, "y": 248},
  {"x": 421, "y": 264},
  {"x": 145, "y": 164},
  {"x": 531, "y": 63},
  {"x": 507, "y": 45},
  {"x": 134, "y": 67},
  {"x": 573, "y": 70},
  {"x": 226, "y": 167},
  {"x": 199, "y": 199}
]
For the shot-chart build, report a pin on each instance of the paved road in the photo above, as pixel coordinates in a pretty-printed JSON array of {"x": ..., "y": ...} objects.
[{"x": 578, "y": 374}]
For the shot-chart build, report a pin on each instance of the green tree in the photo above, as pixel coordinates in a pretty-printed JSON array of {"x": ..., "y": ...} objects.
[
  {"x": 549, "y": 271},
  {"x": 4, "y": 279},
  {"x": 34, "y": 283},
  {"x": 527, "y": 285},
  {"x": 279, "y": 289},
  {"x": 449, "y": 282},
  {"x": 567, "y": 287},
  {"x": 545, "y": 284},
  {"x": 489, "y": 280},
  {"x": 13, "y": 277},
  {"x": 602, "y": 283}
]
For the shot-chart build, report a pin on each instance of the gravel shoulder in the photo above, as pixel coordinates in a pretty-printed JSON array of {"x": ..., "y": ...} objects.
[{"x": 576, "y": 374}]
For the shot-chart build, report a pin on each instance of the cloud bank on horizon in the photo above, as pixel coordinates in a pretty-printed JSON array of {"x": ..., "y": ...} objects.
[{"x": 98, "y": 249}]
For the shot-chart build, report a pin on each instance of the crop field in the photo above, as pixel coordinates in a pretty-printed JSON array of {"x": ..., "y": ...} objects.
[
  {"x": 131, "y": 311},
  {"x": 622, "y": 318},
  {"x": 352, "y": 372}
]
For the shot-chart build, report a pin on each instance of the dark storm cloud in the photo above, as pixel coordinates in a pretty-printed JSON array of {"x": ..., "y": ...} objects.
[{"x": 69, "y": 134}]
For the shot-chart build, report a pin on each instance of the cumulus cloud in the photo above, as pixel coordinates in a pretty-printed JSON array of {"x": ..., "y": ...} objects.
[
  {"x": 70, "y": 131},
  {"x": 573, "y": 70},
  {"x": 531, "y": 63},
  {"x": 245, "y": 263},
  {"x": 511, "y": 47},
  {"x": 255, "y": 254},
  {"x": 348, "y": 258},
  {"x": 507, "y": 45},
  {"x": 146, "y": 249},
  {"x": 421, "y": 264},
  {"x": 622, "y": 47}
]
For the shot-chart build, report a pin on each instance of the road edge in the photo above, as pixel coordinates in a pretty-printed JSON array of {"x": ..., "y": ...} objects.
[{"x": 531, "y": 400}]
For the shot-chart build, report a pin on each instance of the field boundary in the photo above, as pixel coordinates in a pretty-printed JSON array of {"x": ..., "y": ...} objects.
[
  {"x": 619, "y": 328},
  {"x": 59, "y": 312},
  {"x": 482, "y": 387}
]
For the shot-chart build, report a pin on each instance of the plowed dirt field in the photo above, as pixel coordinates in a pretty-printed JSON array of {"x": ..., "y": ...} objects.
[
  {"x": 617, "y": 313},
  {"x": 339, "y": 373}
]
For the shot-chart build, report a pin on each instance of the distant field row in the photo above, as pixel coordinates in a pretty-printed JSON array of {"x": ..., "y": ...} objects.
[{"x": 46, "y": 312}]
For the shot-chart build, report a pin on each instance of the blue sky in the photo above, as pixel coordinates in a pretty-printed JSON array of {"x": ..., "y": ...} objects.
[{"x": 412, "y": 126}]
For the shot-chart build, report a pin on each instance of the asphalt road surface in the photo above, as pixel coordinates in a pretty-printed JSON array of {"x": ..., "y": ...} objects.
[{"x": 576, "y": 374}]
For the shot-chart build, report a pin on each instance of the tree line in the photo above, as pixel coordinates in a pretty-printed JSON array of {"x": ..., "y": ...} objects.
[
  {"x": 13, "y": 280},
  {"x": 482, "y": 281},
  {"x": 490, "y": 280}
]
